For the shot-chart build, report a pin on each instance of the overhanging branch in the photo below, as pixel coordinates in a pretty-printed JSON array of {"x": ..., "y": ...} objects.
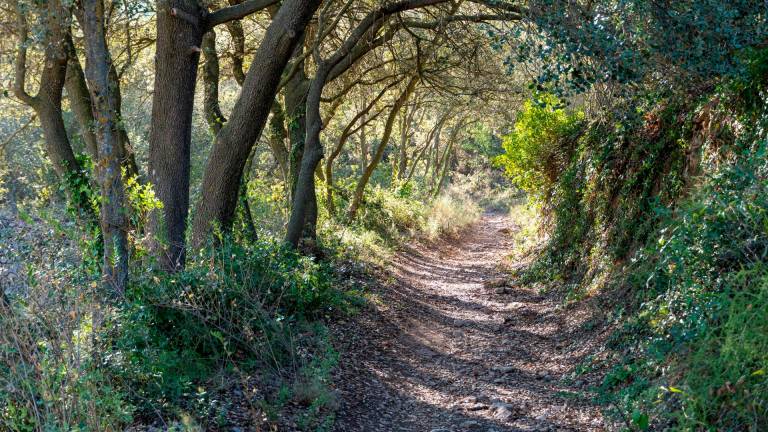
[{"x": 236, "y": 12}]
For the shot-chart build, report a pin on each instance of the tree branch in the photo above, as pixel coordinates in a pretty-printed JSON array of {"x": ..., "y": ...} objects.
[
  {"x": 236, "y": 12},
  {"x": 17, "y": 131},
  {"x": 461, "y": 18},
  {"x": 20, "y": 78}
]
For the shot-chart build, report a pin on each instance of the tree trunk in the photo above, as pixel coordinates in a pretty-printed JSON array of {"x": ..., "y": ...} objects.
[
  {"x": 80, "y": 100},
  {"x": 47, "y": 102},
  {"x": 235, "y": 29},
  {"x": 363, "y": 148},
  {"x": 224, "y": 170},
  {"x": 176, "y": 60},
  {"x": 211, "y": 106},
  {"x": 296, "y": 114},
  {"x": 277, "y": 139},
  {"x": 113, "y": 212},
  {"x": 302, "y": 207},
  {"x": 127, "y": 155},
  {"x": 357, "y": 198}
]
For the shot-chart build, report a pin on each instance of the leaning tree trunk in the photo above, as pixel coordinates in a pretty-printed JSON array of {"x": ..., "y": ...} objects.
[
  {"x": 114, "y": 225},
  {"x": 176, "y": 61},
  {"x": 357, "y": 197},
  {"x": 47, "y": 102},
  {"x": 224, "y": 170}
]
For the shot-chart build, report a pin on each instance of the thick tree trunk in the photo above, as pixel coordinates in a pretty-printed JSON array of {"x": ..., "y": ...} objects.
[
  {"x": 224, "y": 170},
  {"x": 357, "y": 197},
  {"x": 176, "y": 61},
  {"x": 114, "y": 225}
]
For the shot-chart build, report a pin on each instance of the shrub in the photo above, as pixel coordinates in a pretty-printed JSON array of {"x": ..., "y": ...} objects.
[
  {"x": 71, "y": 362},
  {"x": 704, "y": 293},
  {"x": 535, "y": 151},
  {"x": 450, "y": 213}
]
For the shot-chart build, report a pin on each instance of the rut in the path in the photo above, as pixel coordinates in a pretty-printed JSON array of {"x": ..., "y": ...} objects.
[{"x": 441, "y": 350}]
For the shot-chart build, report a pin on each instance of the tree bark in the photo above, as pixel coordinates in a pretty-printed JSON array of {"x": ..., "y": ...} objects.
[
  {"x": 233, "y": 144},
  {"x": 47, "y": 102},
  {"x": 211, "y": 73},
  {"x": 114, "y": 225},
  {"x": 235, "y": 29},
  {"x": 277, "y": 139},
  {"x": 313, "y": 153},
  {"x": 176, "y": 60},
  {"x": 296, "y": 115},
  {"x": 80, "y": 100}
]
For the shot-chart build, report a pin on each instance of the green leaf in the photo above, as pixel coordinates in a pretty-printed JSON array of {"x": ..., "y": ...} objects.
[{"x": 640, "y": 420}]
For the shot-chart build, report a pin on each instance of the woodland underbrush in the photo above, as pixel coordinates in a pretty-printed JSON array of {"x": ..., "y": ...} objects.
[
  {"x": 659, "y": 208},
  {"x": 237, "y": 338},
  {"x": 393, "y": 215}
]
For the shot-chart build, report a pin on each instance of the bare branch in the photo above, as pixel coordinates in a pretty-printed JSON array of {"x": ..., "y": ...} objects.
[{"x": 17, "y": 131}]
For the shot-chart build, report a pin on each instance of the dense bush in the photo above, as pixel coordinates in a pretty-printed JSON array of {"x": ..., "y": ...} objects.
[
  {"x": 701, "y": 330},
  {"x": 71, "y": 362},
  {"x": 663, "y": 201},
  {"x": 537, "y": 149}
]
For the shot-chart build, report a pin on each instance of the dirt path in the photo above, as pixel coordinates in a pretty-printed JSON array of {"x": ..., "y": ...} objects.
[{"x": 442, "y": 350}]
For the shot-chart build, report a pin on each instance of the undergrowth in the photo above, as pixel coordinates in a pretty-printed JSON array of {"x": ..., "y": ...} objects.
[
  {"x": 660, "y": 204},
  {"x": 249, "y": 312}
]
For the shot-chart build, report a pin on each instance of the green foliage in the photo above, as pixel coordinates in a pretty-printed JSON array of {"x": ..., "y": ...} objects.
[
  {"x": 483, "y": 145},
  {"x": 235, "y": 308},
  {"x": 632, "y": 41},
  {"x": 600, "y": 204},
  {"x": 703, "y": 284},
  {"x": 535, "y": 151},
  {"x": 667, "y": 202}
]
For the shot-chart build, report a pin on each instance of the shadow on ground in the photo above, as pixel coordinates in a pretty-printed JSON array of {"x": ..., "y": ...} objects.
[{"x": 444, "y": 351}]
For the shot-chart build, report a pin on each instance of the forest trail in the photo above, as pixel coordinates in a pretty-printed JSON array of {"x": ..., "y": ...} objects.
[{"x": 442, "y": 349}]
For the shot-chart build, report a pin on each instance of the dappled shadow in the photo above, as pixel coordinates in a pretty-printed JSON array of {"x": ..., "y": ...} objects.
[{"x": 441, "y": 351}]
